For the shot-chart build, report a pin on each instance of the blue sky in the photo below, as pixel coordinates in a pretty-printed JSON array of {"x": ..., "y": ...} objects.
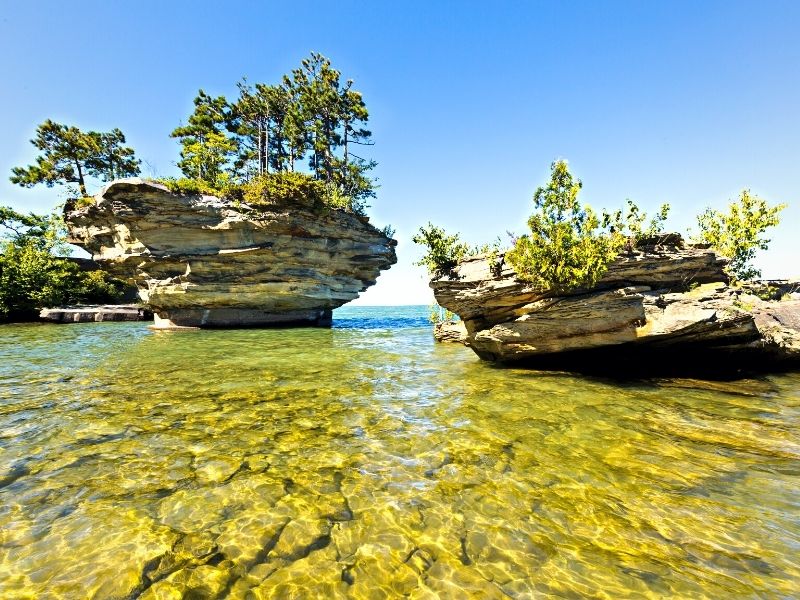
[{"x": 679, "y": 102}]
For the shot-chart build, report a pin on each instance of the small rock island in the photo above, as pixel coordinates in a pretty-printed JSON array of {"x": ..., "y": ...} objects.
[
  {"x": 204, "y": 261},
  {"x": 664, "y": 299}
]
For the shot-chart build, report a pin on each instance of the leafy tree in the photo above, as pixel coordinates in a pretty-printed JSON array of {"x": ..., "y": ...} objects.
[
  {"x": 738, "y": 234},
  {"x": 70, "y": 156},
  {"x": 250, "y": 119},
  {"x": 31, "y": 277},
  {"x": 565, "y": 248},
  {"x": 20, "y": 227},
  {"x": 206, "y": 146},
  {"x": 318, "y": 85},
  {"x": 443, "y": 250}
]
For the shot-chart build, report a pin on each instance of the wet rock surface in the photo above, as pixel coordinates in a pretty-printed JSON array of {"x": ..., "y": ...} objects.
[
  {"x": 670, "y": 299},
  {"x": 453, "y": 332},
  {"x": 200, "y": 261}
]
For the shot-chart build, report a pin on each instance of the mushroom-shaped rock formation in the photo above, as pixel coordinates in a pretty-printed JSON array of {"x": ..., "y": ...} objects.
[
  {"x": 666, "y": 299},
  {"x": 202, "y": 261}
]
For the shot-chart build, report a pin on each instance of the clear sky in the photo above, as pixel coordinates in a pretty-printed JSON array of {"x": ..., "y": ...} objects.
[{"x": 470, "y": 102}]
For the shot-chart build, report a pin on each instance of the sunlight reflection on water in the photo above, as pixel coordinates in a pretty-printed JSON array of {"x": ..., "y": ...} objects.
[{"x": 367, "y": 461}]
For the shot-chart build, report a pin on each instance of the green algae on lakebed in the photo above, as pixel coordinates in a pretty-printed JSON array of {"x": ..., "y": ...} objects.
[{"x": 366, "y": 461}]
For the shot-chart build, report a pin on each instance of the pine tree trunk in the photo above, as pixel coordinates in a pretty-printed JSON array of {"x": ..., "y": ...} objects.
[
  {"x": 346, "y": 123},
  {"x": 81, "y": 183},
  {"x": 260, "y": 150},
  {"x": 266, "y": 145}
]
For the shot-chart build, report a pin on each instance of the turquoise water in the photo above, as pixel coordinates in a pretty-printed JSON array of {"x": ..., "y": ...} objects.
[{"x": 366, "y": 461}]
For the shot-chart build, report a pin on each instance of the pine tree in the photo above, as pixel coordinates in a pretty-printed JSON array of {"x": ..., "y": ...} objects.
[
  {"x": 114, "y": 159},
  {"x": 71, "y": 156},
  {"x": 206, "y": 145}
]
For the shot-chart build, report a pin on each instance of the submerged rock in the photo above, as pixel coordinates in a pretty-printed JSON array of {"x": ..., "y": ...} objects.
[
  {"x": 670, "y": 299},
  {"x": 201, "y": 261},
  {"x": 86, "y": 313},
  {"x": 450, "y": 332}
]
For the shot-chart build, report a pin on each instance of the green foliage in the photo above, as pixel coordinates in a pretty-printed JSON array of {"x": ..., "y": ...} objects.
[
  {"x": 388, "y": 231},
  {"x": 70, "y": 156},
  {"x": 189, "y": 187},
  {"x": 738, "y": 233},
  {"x": 281, "y": 188},
  {"x": 21, "y": 227},
  {"x": 632, "y": 224},
  {"x": 311, "y": 114},
  {"x": 439, "y": 314},
  {"x": 80, "y": 202},
  {"x": 205, "y": 146},
  {"x": 31, "y": 277},
  {"x": 565, "y": 248},
  {"x": 443, "y": 251}
]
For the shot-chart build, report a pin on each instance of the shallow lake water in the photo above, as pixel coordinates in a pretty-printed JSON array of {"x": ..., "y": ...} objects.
[{"x": 365, "y": 461}]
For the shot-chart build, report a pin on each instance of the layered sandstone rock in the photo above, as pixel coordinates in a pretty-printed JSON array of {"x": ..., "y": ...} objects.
[
  {"x": 205, "y": 261},
  {"x": 669, "y": 297}
]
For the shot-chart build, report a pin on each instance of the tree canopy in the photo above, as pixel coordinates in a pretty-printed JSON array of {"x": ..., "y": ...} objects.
[
  {"x": 738, "y": 233},
  {"x": 310, "y": 115},
  {"x": 71, "y": 156},
  {"x": 566, "y": 247}
]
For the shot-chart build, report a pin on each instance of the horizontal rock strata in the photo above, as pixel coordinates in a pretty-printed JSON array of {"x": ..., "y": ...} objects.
[
  {"x": 669, "y": 298},
  {"x": 203, "y": 261}
]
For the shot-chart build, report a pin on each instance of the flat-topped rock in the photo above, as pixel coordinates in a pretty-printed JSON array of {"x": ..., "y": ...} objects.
[
  {"x": 479, "y": 288},
  {"x": 668, "y": 299},
  {"x": 202, "y": 261}
]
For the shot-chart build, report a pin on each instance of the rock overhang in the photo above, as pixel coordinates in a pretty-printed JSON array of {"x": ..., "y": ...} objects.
[{"x": 191, "y": 254}]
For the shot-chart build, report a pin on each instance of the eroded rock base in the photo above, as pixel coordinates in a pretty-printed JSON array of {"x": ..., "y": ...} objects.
[{"x": 239, "y": 317}]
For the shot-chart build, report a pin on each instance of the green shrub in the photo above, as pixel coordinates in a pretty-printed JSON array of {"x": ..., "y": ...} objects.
[
  {"x": 189, "y": 187},
  {"x": 631, "y": 223},
  {"x": 565, "y": 248},
  {"x": 273, "y": 189},
  {"x": 279, "y": 189},
  {"x": 31, "y": 278},
  {"x": 83, "y": 201},
  {"x": 443, "y": 251},
  {"x": 737, "y": 234}
]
